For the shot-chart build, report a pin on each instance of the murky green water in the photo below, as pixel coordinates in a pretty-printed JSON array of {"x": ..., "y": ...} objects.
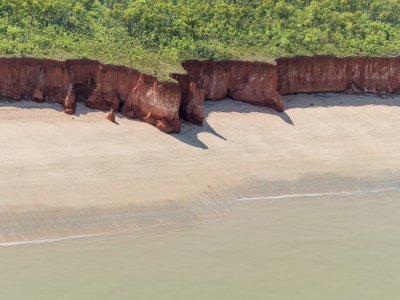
[{"x": 326, "y": 247}]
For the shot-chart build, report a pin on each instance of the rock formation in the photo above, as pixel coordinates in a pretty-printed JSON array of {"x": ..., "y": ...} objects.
[{"x": 111, "y": 115}]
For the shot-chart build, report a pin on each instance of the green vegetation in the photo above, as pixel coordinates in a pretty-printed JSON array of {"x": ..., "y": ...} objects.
[{"x": 155, "y": 36}]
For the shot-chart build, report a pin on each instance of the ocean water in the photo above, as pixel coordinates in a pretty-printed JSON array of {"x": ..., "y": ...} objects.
[{"x": 343, "y": 245}]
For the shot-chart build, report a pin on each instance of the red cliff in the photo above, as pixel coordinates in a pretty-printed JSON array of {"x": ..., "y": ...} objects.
[
  {"x": 155, "y": 102},
  {"x": 250, "y": 82},
  {"x": 83, "y": 75},
  {"x": 192, "y": 97},
  {"x": 161, "y": 103},
  {"x": 38, "y": 80},
  {"x": 331, "y": 74},
  {"x": 105, "y": 87},
  {"x": 113, "y": 86},
  {"x": 137, "y": 95}
]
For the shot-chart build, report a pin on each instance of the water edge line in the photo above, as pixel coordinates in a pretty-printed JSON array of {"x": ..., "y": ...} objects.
[
  {"x": 52, "y": 240},
  {"x": 353, "y": 193}
]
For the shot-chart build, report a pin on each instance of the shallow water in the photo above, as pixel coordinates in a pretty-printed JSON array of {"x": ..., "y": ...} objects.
[
  {"x": 342, "y": 246},
  {"x": 306, "y": 208}
]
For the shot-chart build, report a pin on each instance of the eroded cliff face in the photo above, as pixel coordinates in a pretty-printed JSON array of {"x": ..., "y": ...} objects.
[
  {"x": 105, "y": 87},
  {"x": 41, "y": 81},
  {"x": 161, "y": 103},
  {"x": 113, "y": 86},
  {"x": 250, "y": 82},
  {"x": 155, "y": 102},
  {"x": 331, "y": 74},
  {"x": 83, "y": 75}
]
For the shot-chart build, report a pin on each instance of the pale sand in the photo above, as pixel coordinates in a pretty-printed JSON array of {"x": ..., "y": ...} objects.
[{"x": 76, "y": 168}]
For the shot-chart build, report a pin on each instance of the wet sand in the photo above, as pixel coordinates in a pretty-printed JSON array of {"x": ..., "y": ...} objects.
[{"x": 64, "y": 175}]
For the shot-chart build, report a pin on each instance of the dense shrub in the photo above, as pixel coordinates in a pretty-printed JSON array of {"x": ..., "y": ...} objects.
[{"x": 155, "y": 36}]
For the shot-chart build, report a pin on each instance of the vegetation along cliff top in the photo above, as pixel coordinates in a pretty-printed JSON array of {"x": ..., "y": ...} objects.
[{"x": 156, "y": 36}]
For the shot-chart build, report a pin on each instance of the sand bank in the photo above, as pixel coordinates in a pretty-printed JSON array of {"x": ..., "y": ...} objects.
[{"x": 64, "y": 175}]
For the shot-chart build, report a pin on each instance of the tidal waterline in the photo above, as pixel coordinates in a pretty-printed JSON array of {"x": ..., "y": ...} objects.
[{"x": 325, "y": 247}]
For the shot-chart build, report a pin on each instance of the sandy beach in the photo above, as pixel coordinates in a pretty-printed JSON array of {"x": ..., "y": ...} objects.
[{"x": 64, "y": 175}]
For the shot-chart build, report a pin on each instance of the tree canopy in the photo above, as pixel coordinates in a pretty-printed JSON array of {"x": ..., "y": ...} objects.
[{"x": 155, "y": 36}]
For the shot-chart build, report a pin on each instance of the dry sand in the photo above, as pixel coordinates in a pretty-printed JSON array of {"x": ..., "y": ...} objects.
[{"x": 64, "y": 175}]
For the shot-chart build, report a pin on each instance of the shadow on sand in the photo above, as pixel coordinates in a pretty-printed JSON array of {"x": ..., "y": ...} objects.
[
  {"x": 189, "y": 132},
  {"x": 81, "y": 108},
  {"x": 336, "y": 99}
]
